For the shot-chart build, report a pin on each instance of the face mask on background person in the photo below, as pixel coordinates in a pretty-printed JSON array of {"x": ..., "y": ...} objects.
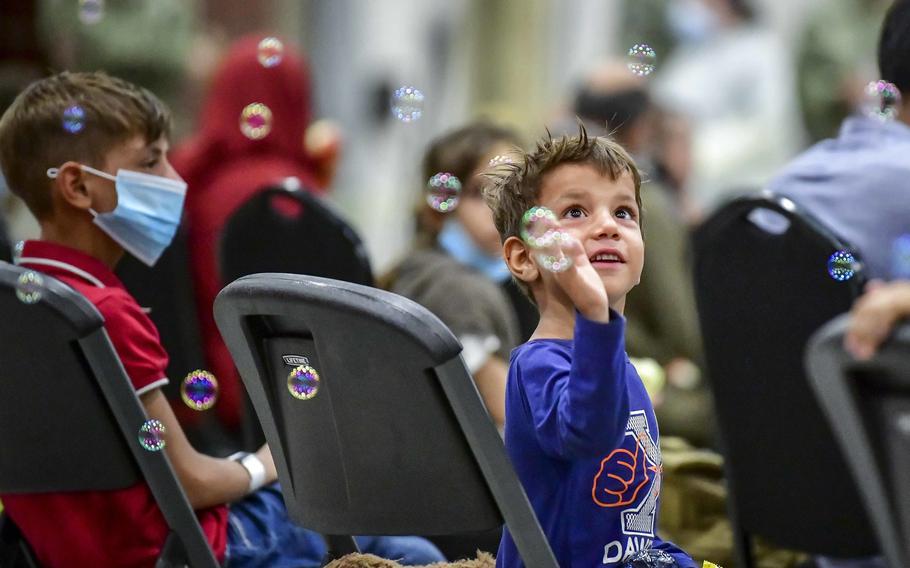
[
  {"x": 691, "y": 21},
  {"x": 455, "y": 240},
  {"x": 148, "y": 211}
]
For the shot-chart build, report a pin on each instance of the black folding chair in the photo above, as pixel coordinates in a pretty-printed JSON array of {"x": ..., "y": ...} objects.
[
  {"x": 396, "y": 439},
  {"x": 762, "y": 288},
  {"x": 306, "y": 238},
  {"x": 63, "y": 336},
  {"x": 868, "y": 407}
]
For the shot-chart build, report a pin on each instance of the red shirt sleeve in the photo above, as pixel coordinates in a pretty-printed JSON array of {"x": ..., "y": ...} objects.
[{"x": 135, "y": 340}]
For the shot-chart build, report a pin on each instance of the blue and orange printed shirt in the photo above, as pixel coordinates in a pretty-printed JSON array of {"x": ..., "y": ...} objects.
[{"x": 583, "y": 438}]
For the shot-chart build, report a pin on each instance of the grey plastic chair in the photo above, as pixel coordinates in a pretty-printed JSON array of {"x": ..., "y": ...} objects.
[
  {"x": 867, "y": 405},
  {"x": 396, "y": 440},
  {"x": 62, "y": 339}
]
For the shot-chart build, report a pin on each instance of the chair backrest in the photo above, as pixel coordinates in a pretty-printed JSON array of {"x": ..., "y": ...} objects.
[
  {"x": 69, "y": 417},
  {"x": 868, "y": 407},
  {"x": 761, "y": 292},
  {"x": 286, "y": 229},
  {"x": 167, "y": 290},
  {"x": 396, "y": 439}
]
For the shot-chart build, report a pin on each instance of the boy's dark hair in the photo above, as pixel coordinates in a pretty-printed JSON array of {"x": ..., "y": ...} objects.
[
  {"x": 458, "y": 152},
  {"x": 894, "y": 46},
  {"x": 515, "y": 186},
  {"x": 34, "y": 136}
]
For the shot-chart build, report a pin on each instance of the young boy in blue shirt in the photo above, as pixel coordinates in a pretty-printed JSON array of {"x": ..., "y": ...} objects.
[{"x": 580, "y": 428}]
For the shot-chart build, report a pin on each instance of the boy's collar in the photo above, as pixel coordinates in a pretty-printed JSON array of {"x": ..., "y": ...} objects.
[{"x": 54, "y": 258}]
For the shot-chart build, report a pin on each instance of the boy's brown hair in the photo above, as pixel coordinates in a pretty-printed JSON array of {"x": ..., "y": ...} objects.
[
  {"x": 515, "y": 186},
  {"x": 101, "y": 112}
]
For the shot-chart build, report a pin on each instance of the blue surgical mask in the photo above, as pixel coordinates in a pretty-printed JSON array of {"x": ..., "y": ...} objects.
[
  {"x": 148, "y": 211},
  {"x": 457, "y": 242},
  {"x": 4, "y": 189},
  {"x": 691, "y": 21}
]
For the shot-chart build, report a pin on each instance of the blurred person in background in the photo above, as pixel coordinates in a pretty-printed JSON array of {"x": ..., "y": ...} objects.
[
  {"x": 224, "y": 168},
  {"x": 733, "y": 79},
  {"x": 836, "y": 61},
  {"x": 456, "y": 269},
  {"x": 661, "y": 318},
  {"x": 858, "y": 184}
]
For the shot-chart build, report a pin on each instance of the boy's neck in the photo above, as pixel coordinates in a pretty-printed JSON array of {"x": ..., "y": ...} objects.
[
  {"x": 557, "y": 319},
  {"x": 87, "y": 239}
]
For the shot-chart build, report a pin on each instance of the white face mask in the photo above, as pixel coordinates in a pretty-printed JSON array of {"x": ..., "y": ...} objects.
[{"x": 148, "y": 211}]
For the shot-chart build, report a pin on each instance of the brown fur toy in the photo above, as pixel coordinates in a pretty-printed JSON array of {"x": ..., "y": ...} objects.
[{"x": 483, "y": 560}]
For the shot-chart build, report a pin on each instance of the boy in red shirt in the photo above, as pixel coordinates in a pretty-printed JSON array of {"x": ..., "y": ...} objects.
[{"x": 88, "y": 155}]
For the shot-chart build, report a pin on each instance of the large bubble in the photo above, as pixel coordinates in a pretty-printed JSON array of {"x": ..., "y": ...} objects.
[
  {"x": 641, "y": 59},
  {"x": 303, "y": 382},
  {"x": 842, "y": 265},
  {"x": 151, "y": 435},
  {"x": 91, "y": 11},
  {"x": 443, "y": 192},
  {"x": 256, "y": 121},
  {"x": 407, "y": 104},
  {"x": 29, "y": 287},
  {"x": 541, "y": 231},
  {"x": 199, "y": 390},
  {"x": 270, "y": 51},
  {"x": 881, "y": 100},
  {"x": 74, "y": 119}
]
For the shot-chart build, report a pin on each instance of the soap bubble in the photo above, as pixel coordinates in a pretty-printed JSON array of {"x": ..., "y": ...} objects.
[
  {"x": 74, "y": 119},
  {"x": 17, "y": 251},
  {"x": 900, "y": 258},
  {"x": 199, "y": 390},
  {"x": 881, "y": 100},
  {"x": 552, "y": 258},
  {"x": 270, "y": 52},
  {"x": 29, "y": 287},
  {"x": 842, "y": 265},
  {"x": 443, "y": 191},
  {"x": 500, "y": 159},
  {"x": 641, "y": 59},
  {"x": 303, "y": 382},
  {"x": 649, "y": 558},
  {"x": 407, "y": 104},
  {"x": 539, "y": 227},
  {"x": 256, "y": 121},
  {"x": 91, "y": 11},
  {"x": 151, "y": 435}
]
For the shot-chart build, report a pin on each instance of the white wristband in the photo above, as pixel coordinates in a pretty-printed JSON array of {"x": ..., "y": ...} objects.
[{"x": 253, "y": 466}]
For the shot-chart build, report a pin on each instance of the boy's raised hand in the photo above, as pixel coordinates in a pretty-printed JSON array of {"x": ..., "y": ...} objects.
[{"x": 581, "y": 283}]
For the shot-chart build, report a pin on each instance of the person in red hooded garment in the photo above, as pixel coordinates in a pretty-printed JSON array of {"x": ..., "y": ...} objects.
[{"x": 224, "y": 168}]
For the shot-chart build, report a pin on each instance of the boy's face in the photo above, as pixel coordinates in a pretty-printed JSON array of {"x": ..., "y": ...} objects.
[
  {"x": 136, "y": 155},
  {"x": 603, "y": 215}
]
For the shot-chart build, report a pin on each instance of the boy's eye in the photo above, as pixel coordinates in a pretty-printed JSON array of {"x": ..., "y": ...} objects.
[
  {"x": 625, "y": 213},
  {"x": 574, "y": 213}
]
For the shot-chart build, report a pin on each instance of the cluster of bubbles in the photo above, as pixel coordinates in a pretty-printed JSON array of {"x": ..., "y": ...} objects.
[
  {"x": 303, "y": 382},
  {"x": 842, "y": 265},
  {"x": 199, "y": 390},
  {"x": 407, "y": 104},
  {"x": 541, "y": 231},
  {"x": 256, "y": 121},
  {"x": 29, "y": 287},
  {"x": 881, "y": 100},
  {"x": 151, "y": 435},
  {"x": 91, "y": 11},
  {"x": 270, "y": 52},
  {"x": 73, "y": 119},
  {"x": 443, "y": 192},
  {"x": 641, "y": 59}
]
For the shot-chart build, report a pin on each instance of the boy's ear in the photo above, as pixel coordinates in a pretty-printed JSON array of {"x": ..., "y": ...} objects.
[
  {"x": 518, "y": 259},
  {"x": 70, "y": 186}
]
